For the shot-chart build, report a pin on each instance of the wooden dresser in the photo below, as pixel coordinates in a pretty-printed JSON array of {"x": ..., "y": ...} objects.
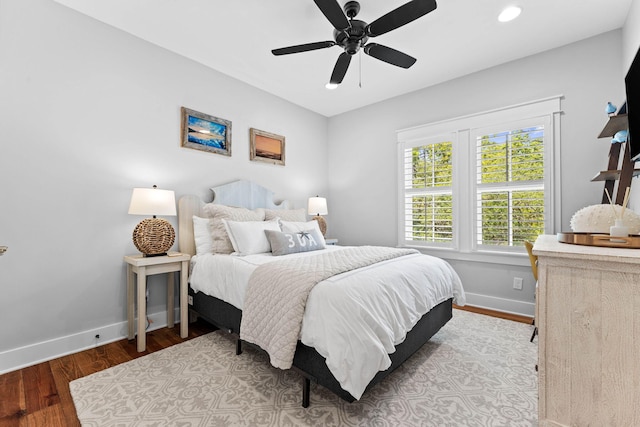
[{"x": 588, "y": 316}]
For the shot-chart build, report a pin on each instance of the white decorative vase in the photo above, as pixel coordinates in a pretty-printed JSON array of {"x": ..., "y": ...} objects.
[{"x": 619, "y": 229}]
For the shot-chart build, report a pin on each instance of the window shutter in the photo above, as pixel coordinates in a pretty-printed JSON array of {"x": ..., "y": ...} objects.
[
  {"x": 428, "y": 177},
  {"x": 510, "y": 186}
]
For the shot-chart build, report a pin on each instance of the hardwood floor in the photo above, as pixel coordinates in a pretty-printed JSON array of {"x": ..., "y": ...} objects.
[
  {"x": 39, "y": 395},
  {"x": 500, "y": 314}
]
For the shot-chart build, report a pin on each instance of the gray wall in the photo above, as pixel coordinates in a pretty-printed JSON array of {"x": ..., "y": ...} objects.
[
  {"x": 87, "y": 113},
  {"x": 362, "y": 149}
]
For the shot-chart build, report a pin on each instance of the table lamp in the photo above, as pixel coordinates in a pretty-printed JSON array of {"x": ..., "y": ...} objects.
[
  {"x": 153, "y": 236},
  {"x": 318, "y": 206}
]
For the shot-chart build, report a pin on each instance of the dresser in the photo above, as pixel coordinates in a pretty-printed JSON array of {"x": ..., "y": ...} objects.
[{"x": 588, "y": 317}]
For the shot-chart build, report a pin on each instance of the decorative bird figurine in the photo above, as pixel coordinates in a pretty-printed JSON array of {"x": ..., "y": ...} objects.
[
  {"x": 610, "y": 109},
  {"x": 620, "y": 137}
]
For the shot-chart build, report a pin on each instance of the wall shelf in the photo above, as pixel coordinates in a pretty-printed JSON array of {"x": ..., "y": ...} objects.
[
  {"x": 620, "y": 169},
  {"x": 616, "y": 123},
  {"x": 612, "y": 174}
]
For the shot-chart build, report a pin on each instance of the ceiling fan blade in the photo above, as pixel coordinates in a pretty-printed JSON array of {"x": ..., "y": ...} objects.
[
  {"x": 404, "y": 14},
  {"x": 302, "y": 48},
  {"x": 342, "y": 64},
  {"x": 332, "y": 10},
  {"x": 391, "y": 56}
]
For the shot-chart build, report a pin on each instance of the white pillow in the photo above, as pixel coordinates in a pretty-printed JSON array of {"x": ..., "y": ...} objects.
[
  {"x": 202, "y": 235},
  {"x": 220, "y": 239},
  {"x": 248, "y": 237}
]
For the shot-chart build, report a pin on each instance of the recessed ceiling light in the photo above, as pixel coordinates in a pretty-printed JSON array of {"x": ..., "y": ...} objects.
[
  {"x": 331, "y": 86},
  {"x": 509, "y": 14}
]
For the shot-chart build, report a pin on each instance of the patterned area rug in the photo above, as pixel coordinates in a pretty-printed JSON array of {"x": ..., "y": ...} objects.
[{"x": 477, "y": 371}]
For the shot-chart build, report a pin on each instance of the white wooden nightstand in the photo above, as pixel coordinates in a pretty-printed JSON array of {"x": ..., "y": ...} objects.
[{"x": 146, "y": 266}]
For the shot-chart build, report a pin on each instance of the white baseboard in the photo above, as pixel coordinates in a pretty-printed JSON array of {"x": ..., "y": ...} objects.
[
  {"x": 501, "y": 304},
  {"x": 33, "y": 354}
]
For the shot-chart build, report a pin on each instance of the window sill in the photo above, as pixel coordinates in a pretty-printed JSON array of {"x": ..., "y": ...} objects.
[{"x": 491, "y": 257}]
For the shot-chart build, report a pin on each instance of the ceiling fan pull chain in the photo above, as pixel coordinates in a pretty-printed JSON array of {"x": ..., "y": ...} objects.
[{"x": 360, "y": 64}]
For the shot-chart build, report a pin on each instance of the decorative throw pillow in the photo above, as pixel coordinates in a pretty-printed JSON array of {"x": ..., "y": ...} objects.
[
  {"x": 221, "y": 244},
  {"x": 283, "y": 243},
  {"x": 247, "y": 237},
  {"x": 202, "y": 235},
  {"x": 299, "y": 215},
  {"x": 294, "y": 226}
]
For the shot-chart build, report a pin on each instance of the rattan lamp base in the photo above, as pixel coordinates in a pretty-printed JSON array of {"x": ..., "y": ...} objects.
[
  {"x": 322, "y": 223},
  {"x": 154, "y": 236}
]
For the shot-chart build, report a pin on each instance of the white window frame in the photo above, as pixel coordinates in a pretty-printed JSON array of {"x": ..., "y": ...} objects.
[
  {"x": 451, "y": 136},
  {"x": 464, "y": 246}
]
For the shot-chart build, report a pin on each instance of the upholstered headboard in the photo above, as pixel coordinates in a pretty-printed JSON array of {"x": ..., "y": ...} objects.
[{"x": 242, "y": 193}]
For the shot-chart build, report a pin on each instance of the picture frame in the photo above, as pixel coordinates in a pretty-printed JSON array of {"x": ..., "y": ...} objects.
[
  {"x": 266, "y": 147},
  {"x": 203, "y": 132}
]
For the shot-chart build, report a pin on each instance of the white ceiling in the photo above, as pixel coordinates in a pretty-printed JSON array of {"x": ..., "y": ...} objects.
[{"x": 235, "y": 37}]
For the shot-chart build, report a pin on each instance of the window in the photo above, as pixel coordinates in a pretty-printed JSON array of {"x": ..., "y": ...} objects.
[
  {"x": 509, "y": 186},
  {"x": 481, "y": 183},
  {"x": 427, "y": 183}
]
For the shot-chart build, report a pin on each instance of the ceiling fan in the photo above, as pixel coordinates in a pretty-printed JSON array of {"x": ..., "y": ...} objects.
[{"x": 353, "y": 34}]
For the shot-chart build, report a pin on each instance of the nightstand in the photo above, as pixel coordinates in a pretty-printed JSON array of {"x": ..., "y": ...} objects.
[
  {"x": 146, "y": 266},
  {"x": 332, "y": 242}
]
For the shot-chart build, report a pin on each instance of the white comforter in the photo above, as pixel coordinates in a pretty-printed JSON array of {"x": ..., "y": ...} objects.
[{"x": 346, "y": 320}]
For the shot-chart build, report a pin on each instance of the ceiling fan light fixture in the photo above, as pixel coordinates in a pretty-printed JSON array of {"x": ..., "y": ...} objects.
[
  {"x": 509, "y": 13},
  {"x": 331, "y": 86}
]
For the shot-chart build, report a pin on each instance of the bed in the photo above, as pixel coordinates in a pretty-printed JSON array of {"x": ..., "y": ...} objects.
[{"x": 343, "y": 304}]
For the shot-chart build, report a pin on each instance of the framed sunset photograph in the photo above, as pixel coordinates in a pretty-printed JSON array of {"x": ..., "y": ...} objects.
[
  {"x": 206, "y": 133},
  {"x": 266, "y": 147}
]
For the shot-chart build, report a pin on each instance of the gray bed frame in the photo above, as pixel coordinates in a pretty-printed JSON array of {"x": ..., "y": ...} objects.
[{"x": 307, "y": 361}]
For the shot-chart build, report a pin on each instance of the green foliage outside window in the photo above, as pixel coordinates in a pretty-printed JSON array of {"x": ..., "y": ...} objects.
[
  {"x": 432, "y": 165},
  {"x": 431, "y": 218},
  {"x": 431, "y": 214},
  {"x": 504, "y": 227},
  {"x": 508, "y": 217},
  {"x": 512, "y": 156}
]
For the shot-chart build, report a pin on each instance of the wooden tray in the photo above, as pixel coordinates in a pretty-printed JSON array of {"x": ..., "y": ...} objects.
[{"x": 600, "y": 239}]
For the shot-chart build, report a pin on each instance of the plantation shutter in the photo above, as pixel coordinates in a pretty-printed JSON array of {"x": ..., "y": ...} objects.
[
  {"x": 510, "y": 186},
  {"x": 427, "y": 179}
]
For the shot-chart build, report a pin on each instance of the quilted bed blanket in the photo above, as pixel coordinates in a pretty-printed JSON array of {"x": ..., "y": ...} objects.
[{"x": 277, "y": 294}]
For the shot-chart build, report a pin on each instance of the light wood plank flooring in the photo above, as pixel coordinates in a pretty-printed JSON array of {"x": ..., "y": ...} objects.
[{"x": 39, "y": 395}]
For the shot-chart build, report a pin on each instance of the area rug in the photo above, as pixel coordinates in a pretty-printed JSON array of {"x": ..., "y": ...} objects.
[{"x": 477, "y": 371}]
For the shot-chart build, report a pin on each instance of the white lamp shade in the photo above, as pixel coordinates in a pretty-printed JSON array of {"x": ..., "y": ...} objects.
[
  {"x": 317, "y": 206},
  {"x": 152, "y": 201}
]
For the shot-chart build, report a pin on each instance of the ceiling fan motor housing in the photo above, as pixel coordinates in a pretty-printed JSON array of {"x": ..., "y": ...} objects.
[{"x": 353, "y": 38}]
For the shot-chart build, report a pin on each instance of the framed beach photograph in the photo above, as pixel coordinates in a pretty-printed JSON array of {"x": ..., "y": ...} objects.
[
  {"x": 266, "y": 147},
  {"x": 206, "y": 133}
]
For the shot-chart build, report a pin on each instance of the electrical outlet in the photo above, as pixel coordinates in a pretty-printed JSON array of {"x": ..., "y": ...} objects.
[
  {"x": 190, "y": 300},
  {"x": 517, "y": 283}
]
